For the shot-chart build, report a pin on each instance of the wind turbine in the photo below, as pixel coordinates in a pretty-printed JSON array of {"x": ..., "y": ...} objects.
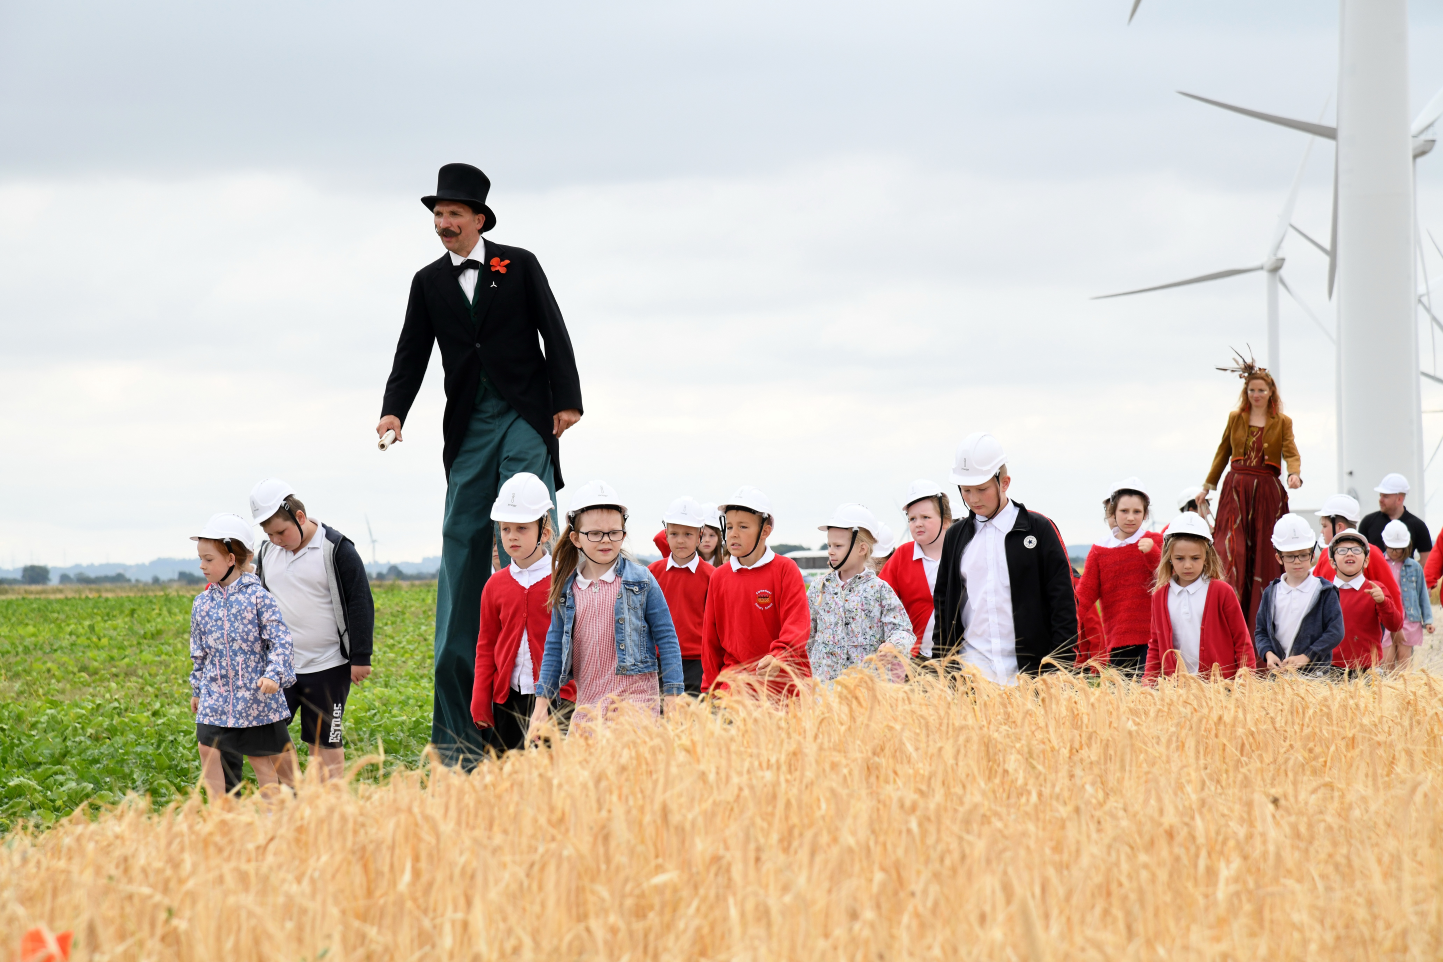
[
  {"x": 372, "y": 537},
  {"x": 1373, "y": 253},
  {"x": 1272, "y": 268}
]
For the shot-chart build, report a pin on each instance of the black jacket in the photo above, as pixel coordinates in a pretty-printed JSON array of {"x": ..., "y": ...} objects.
[
  {"x": 511, "y": 310},
  {"x": 1044, "y": 609},
  {"x": 352, "y": 606},
  {"x": 1318, "y": 635}
]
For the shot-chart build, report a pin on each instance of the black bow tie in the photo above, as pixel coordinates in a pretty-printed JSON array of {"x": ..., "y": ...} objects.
[{"x": 466, "y": 265}]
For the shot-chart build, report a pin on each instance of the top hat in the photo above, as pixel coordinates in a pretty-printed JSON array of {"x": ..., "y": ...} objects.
[{"x": 466, "y": 185}]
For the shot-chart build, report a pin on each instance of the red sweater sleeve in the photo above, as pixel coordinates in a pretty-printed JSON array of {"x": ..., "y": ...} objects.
[
  {"x": 662, "y": 545},
  {"x": 1089, "y": 588},
  {"x": 1160, "y": 638},
  {"x": 1433, "y": 570},
  {"x": 794, "y": 614},
  {"x": 486, "y": 659},
  {"x": 711, "y": 650},
  {"x": 1390, "y": 613},
  {"x": 1237, "y": 627},
  {"x": 1380, "y": 571}
]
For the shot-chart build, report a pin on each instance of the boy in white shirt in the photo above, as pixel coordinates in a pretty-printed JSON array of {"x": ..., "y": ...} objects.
[{"x": 320, "y": 583}]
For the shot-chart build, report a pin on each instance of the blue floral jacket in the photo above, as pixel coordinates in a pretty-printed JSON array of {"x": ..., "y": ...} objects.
[{"x": 238, "y": 637}]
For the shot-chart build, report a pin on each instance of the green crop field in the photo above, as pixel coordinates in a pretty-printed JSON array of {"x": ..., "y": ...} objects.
[{"x": 95, "y": 703}]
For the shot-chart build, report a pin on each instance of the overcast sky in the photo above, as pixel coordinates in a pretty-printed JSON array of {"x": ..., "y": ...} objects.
[{"x": 806, "y": 246}]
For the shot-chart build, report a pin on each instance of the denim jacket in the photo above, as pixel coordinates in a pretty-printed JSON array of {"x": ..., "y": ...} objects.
[
  {"x": 644, "y": 633},
  {"x": 238, "y": 637},
  {"x": 1416, "y": 606}
]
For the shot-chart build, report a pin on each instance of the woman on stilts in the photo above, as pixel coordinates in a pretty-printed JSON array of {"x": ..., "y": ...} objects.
[{"x": 1256, "y": 443}]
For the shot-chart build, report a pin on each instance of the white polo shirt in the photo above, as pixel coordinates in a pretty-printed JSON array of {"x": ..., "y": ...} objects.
[
  {"x": 1185, "y": 608},
  {"x": 929, "y": 570},
  {"x": 523, "y": 676},
  {"x": 298, "y": 583},
  {"x": 990, "y": 637}
]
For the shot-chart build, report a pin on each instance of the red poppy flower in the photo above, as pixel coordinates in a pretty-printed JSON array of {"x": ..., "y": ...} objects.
[{"x": 497, "y": 264}]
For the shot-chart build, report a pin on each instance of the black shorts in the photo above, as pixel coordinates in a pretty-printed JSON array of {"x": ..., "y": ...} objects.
[
  {"x": 256, "y": 742},
  {"x": 321, "y": 697}
]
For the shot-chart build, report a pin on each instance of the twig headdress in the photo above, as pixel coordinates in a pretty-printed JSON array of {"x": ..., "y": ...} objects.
[{"x": 1245, "y": 368}]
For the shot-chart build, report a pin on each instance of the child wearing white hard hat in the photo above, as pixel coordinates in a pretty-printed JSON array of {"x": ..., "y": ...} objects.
[
  {"x": 318, "y": 578},
  {"x": 240, "y": 652},
  {"x": 1369, "y": 612},
  {"x": 514, "y": 616},
  {"x": 712, "y": 545},
  {"x": 1120, "y": 573},
  {"x": 912, "y": 569},
  {"x": 1197, "y": 624},
  {"x": 1417, "y": 608},
  {"x": 756, "y": 621},
  {"x": 1339, "y": 513},
  {"x": 855, "y": 615},
  {"x": 684, "y": 578},
  {"x": 610, "y": 627},
  {"x": 1300, "y": 618}
]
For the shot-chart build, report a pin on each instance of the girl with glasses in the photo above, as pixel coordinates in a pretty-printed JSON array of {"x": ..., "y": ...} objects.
[{"x": 610, "y": 627}]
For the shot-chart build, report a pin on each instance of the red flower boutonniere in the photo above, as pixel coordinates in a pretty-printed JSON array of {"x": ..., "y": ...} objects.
[{"x": 497, "y": 264}]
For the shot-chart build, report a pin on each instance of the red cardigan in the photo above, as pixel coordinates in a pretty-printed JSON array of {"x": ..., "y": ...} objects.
[
  {"x": 1122, "y": 578},
  {"x": 1091, "y": 640},
  {"x": 1433, "y": 570},
  {"x": 753, "y": 612},
  {"x": 506, "y": 608},
  {"x": 685, "y": 592},
  {"x": 908, "y": 579},
  {"x": 1223, "y": 641},
  {"x": 1364, "y": 621}
]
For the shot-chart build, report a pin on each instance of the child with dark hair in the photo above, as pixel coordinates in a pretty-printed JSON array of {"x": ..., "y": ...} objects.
[
  {"x": 1300, "y": 620},
  {"x": 684, "y": 578},
  {"x": 240, "y": 652},
  {"x": 1197, "y": 624},
  {"x": 1119, "y": 573},
  {"x": 1369, "y": 612}
]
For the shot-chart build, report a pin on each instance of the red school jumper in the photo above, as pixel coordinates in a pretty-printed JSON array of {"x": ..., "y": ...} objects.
[
  {"x": 1091, "y": 640},
  {"x": 1377, "y": 569},
  {"x": 506, "y": 608},
  {"x": 753, "y": 612},
  {"x": 1122, "y": 579},
  {"x": 662, "y": 545},
  {"x": 908, "y": 579},
  {"x": 1222, "y": 641},
  {"x": 685, "y": 592},
  {"x": 1364, "y": 621}
]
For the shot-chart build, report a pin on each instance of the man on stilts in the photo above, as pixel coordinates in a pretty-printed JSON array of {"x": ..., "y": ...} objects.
[{"x": 507, "y": 405}]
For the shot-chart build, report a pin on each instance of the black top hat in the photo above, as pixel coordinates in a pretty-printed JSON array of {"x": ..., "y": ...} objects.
[{"x": 466, "y": 185}]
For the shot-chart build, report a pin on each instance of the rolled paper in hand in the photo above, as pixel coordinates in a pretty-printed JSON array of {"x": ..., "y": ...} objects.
[{"x": 387, "y": 439}]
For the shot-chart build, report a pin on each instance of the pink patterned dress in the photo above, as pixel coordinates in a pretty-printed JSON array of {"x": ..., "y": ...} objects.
[{"x": 593, "y": 655}]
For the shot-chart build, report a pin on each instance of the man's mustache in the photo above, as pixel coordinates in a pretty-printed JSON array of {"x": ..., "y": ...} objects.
[{"x": 448, "y": 232}]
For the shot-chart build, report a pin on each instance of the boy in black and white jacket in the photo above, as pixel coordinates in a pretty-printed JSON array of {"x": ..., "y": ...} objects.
[{"x": 320, "y": 583}]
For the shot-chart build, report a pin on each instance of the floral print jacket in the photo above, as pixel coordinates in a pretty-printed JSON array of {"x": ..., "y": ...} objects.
[
  {"x": 238, "y": 637},
  {"x": 851, "y": 621}
]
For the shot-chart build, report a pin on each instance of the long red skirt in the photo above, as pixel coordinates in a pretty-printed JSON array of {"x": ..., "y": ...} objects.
[{"x": 1251, "y": 502}]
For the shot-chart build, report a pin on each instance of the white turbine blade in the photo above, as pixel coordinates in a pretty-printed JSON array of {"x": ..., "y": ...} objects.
[
  {"x": 1304, "y": 236},
  {"x": 1432, "y": 377},
  {"x": 1191, "y": 280},
  {"x": 1306, "y": 309},
  {"x": 1435, "y": 243},
  {"x": 1286, "y": 217},
  {"x": 1429, "y": 115},
  {"x": 1333, "y": 239},
  {"x": 1429, "y": 311},
  {"x": 1317, "y": 130},
  {"x": 1135, "y": 5}
]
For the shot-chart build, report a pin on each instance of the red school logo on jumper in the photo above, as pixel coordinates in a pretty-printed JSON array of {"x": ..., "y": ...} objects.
[{"x": 764, "y": 598}]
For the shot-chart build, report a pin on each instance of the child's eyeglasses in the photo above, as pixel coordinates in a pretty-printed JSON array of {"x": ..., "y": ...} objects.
[
  {"x": 598, "y": 536},
  {"x": 1303, "y": 557},
  {"x": 1349, "y": 550}
]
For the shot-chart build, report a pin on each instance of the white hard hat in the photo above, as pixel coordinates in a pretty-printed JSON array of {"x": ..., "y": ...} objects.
[
  {"x": 1133, "y": 483},
  {"x": 594, "y": 494},
  {"x": 1396, "y": 534},
  {"x": 1190, "y": 493},
  {"x": 1190, "y": 524},
  {"x": 226, "y": 527},
  {"x": 922, "y": 488},
  {"x": 267, "y": 498},
  {"x": 685, "y": 511},
  {"x": 521, "y": 499},
  {"x": 711, "y": 517},
  {"x": 853, "y": 516},
  {"x": 1341, "y": 506},
  {"x": 749, "y": 497},
  {"x": 886, "y": 540},
  {"x": 979, "y": 458},
  {"x": 1393, "y": 484},
  {"x": 1292, "y": 533}
]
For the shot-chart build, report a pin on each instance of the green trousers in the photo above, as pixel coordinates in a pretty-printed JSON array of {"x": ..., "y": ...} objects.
[{"x": 498, "y": 445}]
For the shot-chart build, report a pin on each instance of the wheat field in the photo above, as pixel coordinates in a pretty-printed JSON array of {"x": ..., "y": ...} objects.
[{"x": 1058, "y": 820}]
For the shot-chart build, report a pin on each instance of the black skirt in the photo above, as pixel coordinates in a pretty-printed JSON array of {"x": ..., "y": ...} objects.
[{"x": 256, "y": 742}]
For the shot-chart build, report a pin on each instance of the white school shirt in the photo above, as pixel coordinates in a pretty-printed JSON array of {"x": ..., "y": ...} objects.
[
  {"x": 989, "y": 636},
  {"x": 1185, "y": 608},
  {"x": 1113, "y": 541},
  {"x": 689, "y": 566},
  {"x": 1289, "y": 606},
  {"x": 298, "y": 582},
  {"x": 469, "y": 275},
  {"x": 523, "y": 677},
  {"x": 1355, "y": 582},
  {"x": 929, "y": 569},
  {"x": 609, "y": 575},
  {"x": 767, "y": 556}
]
